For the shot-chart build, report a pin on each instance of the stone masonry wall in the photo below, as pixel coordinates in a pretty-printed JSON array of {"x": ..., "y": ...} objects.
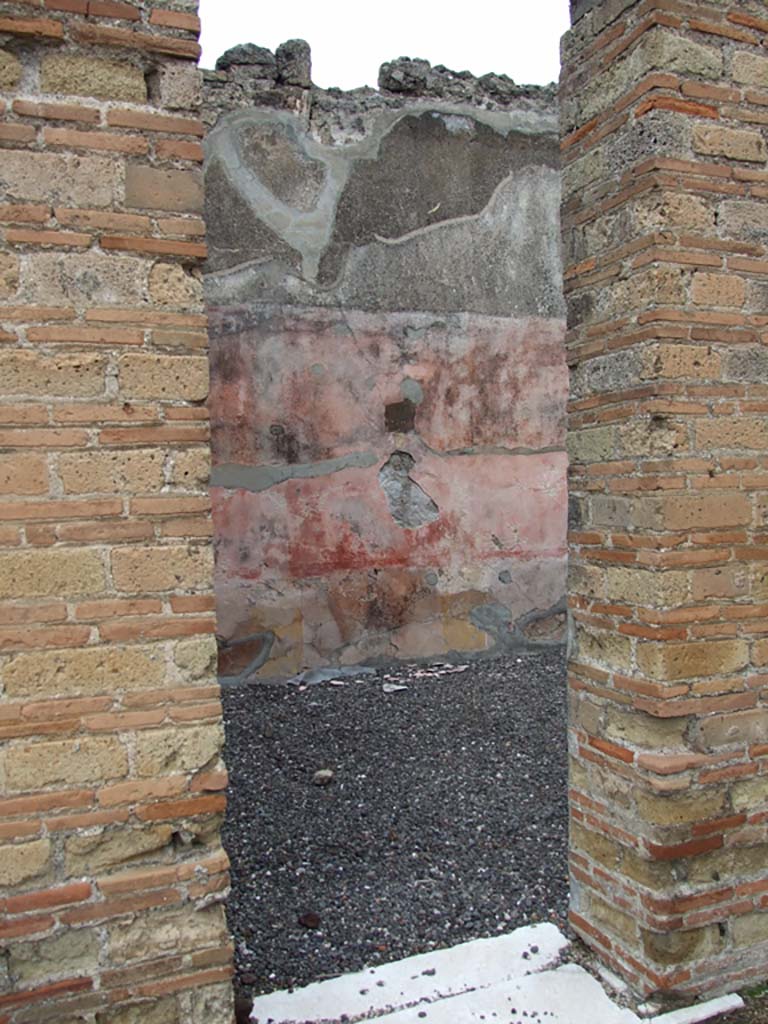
[
  {"x": 388, "y": 373},
  {"x": 111, "y": 870},
  {"x": 664, "y": 122}
]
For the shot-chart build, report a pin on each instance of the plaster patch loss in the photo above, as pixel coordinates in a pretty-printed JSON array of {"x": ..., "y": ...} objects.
[{"x": 410, "y": 505}]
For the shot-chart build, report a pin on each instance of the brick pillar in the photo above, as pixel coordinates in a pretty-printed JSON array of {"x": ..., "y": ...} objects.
[
  {"x": 666, "y": 230},
  {"x": 112, "y": 874}
]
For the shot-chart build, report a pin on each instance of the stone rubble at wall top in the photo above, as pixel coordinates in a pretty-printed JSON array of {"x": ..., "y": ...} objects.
[{"x": 250, "y": 75}]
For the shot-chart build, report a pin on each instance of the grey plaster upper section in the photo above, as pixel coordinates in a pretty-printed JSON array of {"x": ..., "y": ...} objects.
[{"x": 421, "y": 205}]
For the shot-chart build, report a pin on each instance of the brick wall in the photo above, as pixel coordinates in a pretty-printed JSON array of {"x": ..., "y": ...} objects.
[
  {"x": 663, "y": 107},
  {"x": 111, "y": 871}
]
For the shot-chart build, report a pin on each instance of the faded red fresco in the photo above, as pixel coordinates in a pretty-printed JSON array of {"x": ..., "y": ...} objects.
[
  {"x": 315, "y": 569},
  {"x": 326, "y": 379}
]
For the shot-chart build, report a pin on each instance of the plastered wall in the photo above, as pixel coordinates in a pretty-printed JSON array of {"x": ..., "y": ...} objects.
[{"x": 388, "y": 377}]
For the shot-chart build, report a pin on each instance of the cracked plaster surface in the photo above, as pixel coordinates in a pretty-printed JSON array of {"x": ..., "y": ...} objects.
[{"x": 391, "y": 295}]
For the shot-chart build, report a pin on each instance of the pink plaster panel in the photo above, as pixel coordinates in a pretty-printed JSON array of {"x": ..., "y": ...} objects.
[
  {"x": 315, "y": 568},
  {"x": 490, "y": 506},
  {"x": 314, "y": 385}
]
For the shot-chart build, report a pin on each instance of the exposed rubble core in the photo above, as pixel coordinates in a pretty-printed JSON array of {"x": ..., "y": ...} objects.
[{"x": 251, "y": 76}]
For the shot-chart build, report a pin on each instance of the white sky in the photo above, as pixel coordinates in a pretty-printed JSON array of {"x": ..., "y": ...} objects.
[{"x": 350, "y": 39}]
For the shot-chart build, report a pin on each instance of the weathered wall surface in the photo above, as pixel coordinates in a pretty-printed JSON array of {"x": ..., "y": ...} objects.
[
  {"x": 388, "y": 377},
  {"x": 666, "y": 237},
  {"x": 111, "y": 870}
]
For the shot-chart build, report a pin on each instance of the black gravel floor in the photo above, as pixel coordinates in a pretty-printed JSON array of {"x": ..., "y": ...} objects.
[{"x": 445, "y": 820}]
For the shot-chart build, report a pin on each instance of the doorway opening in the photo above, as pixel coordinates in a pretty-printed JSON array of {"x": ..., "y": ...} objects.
[{"x": 388, "y": 390}]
